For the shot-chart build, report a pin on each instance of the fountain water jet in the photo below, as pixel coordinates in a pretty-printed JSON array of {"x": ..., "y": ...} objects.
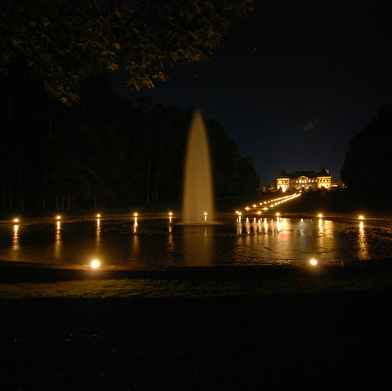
[{"x": 198, "y": 190}]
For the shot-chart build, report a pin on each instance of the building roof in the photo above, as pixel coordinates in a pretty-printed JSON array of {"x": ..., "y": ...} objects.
[{"x": 309, "y": 174}]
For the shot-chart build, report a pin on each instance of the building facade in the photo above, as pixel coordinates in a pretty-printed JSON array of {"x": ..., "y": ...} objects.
[{"x": 303, "y": 180}]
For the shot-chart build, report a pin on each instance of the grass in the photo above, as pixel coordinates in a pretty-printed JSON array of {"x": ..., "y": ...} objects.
[
  {"x": 326, "y": 330},
  {"x": 164, "y": 288}
]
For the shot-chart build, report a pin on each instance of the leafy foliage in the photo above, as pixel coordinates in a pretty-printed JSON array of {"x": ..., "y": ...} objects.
[{"x": 67, "y": 41}]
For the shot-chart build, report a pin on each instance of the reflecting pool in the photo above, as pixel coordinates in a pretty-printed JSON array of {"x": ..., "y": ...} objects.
[{"x": 158, "y": 241}]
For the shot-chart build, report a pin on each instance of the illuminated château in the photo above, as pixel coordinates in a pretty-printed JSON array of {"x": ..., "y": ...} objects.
[{"x": 303, "y": 180}]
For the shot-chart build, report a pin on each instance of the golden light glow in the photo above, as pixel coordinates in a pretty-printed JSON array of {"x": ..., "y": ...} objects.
[
  {"x": 98, "y": 216},
  {"x": 16, "y": 220},
  {"x": 313, "y": 262},
  {"x": 58, "y": 217},
  {"x": 320, "y": 215},
  {"x": 95, "y": 264},
  {"x": 361, "y": 217}
]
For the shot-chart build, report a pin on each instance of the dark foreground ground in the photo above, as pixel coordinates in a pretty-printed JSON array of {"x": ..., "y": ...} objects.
[{"x": 312, "y": 341}]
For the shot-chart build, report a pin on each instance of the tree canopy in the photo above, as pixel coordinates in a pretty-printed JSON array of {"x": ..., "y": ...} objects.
[
  {"x": 367, "y": 166},
  {"x": 67, "y": 41}
]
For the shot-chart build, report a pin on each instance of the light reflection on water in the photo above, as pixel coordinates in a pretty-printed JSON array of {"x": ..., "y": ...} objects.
[{"x": 156, "y": 243}]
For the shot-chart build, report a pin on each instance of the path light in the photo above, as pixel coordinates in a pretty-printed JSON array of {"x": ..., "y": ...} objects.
[
  {"x": 16, "y": 220},
  {"x": 320, "y": 215},
  {"x": 98, "y": 216},
  {"x": 205, "y": 216},
  {"x": 95, "y": 264},
  {"x": 313, "y": 262},
  {"x": 58, "y": 217},
  {"x": 361, "y": 217},
  {"x": 170, "y": 217}
]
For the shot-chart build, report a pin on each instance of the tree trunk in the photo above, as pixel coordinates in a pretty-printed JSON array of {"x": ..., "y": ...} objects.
[{"x": 148, "y": 181}]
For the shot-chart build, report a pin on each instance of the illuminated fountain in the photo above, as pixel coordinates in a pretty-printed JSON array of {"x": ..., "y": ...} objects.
[
  {"x": 257, "y": 235},
  {"x": 198, "y": 192}
]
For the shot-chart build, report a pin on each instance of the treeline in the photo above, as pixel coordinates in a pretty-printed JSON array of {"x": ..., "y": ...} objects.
[
  {"x": 367, "y": 166},
  {"x": 106, "y": 151}
]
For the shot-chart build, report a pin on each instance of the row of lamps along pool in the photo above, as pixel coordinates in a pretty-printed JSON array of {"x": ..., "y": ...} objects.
[{"x": 263, "y": 206}]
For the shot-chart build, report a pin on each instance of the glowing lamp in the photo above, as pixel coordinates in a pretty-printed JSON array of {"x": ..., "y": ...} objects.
[
  {"x": 320, "y": 215},
  {"x": 95, "y": 264},
  {"x": 58, "y": 217},
  {"x": 16, "y": 220},
  {"x": 313, "y": 262},
  {"x": 98, "y": 216},
  {"x": 361, "y": 217}
]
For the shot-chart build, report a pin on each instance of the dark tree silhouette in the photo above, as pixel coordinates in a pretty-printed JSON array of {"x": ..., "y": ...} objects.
[
  {"x": 105, "y": 151},
  {"x": 367, "y": 166}
]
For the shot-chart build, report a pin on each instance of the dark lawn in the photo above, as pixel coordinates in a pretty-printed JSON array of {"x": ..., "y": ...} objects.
[{"x": 296, "y": 341}]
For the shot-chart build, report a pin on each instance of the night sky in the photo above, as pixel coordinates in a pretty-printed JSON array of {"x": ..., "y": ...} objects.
[{"x": 292, "y": 83}]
